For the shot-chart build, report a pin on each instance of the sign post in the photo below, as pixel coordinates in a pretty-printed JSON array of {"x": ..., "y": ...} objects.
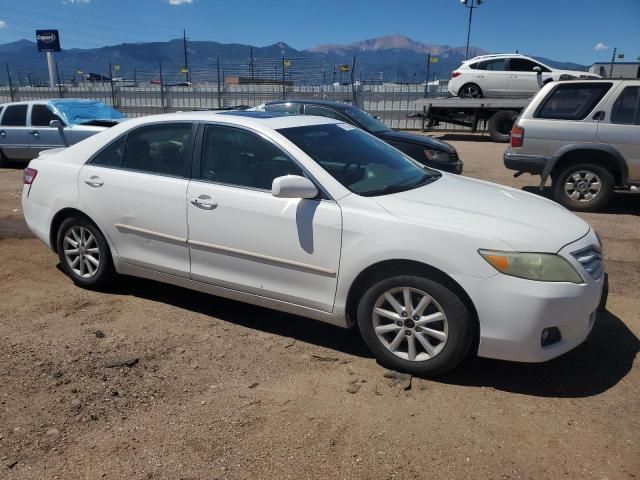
[{"x": 49, "y": 42}]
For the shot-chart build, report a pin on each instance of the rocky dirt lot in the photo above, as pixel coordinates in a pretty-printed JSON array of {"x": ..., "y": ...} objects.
[{"x": 150, "y": 381}]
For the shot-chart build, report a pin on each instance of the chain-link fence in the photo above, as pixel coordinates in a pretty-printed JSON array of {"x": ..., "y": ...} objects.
[{"x": 146, "y": 93}]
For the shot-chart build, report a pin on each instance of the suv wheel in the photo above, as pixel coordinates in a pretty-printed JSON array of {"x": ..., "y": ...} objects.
[
  {"x": 415, "y": 324},
  {"x": 84, "y": 253},
  {"x": 584, "y": 187},
  {"x": 470, "y": 90}
]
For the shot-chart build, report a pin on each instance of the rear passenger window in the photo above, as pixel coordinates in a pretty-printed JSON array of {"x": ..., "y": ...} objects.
[
  {"x": 572, "y": 101},
  {"x": 237, "y": 157},
  {"x": 41, "y": 116},
  {"x": 15, "y": 116},
  {"x": 626, "y": 108},
  {"x": 160, "y": 149},
  {"x": 495, "y": 65}
]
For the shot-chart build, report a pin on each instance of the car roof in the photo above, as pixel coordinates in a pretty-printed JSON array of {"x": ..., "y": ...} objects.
[
  {"x": 327, "y": 103},
  {"x": 272, "y": 120}
]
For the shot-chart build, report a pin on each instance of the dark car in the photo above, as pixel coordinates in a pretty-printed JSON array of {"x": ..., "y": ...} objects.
[{"x": 426, "y": 150}]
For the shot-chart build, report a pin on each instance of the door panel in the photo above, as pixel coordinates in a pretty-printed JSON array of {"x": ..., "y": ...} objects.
[
  {"x": 40, "y": 135},
  {"x": 287, "y": 249},
  {"x": 14, "y": 139},
  {"x": 143, "y": 215},
  {"x": 621, "y": 127}
]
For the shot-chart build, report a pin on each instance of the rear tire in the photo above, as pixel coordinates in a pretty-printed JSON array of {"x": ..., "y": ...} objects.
[
  {"x": 470, "y": 90},
  {"x": 500, "y": 125},
  {"x": 415, "y": 324},
  {"x": 84, "y": 253},
  {"x": 583, "y": 186}
]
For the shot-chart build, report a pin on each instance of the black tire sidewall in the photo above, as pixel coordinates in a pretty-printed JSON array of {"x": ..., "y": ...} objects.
[
  {"x": 105, "y": 271},
  {"x": 469, "y": 85},
  {"x": 459, "y": 319},
  {"x": 498, "y": 117},
  {"x": 606, "y": 179}
]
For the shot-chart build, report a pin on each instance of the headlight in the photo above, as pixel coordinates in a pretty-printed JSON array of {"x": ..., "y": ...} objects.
[
  {"x": 544, "y": 267},
  {"x": 436, "y": 155}
]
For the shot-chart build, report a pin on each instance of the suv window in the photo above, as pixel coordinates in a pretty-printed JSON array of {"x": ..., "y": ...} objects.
[
  {"x": 626, "y": 108},
  {"x": 41, "y": 116},
  {"x": 160, "y": 149},
  {"x": 572, "y": 101},
  {"x": 524, "y": 65},
  {"x": 324, "y": 112},
  {"x": 15, "y": 116},
  {"x": 496, "y": 65},
  {"x": 237, "y": 157},
  {"x": 293, "y": 108}
]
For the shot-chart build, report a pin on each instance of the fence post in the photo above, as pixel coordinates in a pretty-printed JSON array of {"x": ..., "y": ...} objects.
[
  {"x": 218, "y": 72},
  {"x": 426, "y": 77},
  {"x": 161, "y": 88},
  {"x": 354, "y": 95},
  {"x": 10, "y": 84},
  {"x": 283, "y": 84},
  {"x": 59, "y": 84},
  {"x": 113, "y": 96}
]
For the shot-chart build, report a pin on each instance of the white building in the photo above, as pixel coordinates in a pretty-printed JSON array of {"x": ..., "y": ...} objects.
[{"x": 620, "y": 69}]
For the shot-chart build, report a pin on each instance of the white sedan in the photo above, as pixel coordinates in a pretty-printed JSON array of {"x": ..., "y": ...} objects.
[{"x": 318, "y": 218}]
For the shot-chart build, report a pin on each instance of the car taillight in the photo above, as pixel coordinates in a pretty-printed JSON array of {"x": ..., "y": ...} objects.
[
  {"x": 29, "y": 175},
  {"x": 455, "y": 74},
  {"x": 517, "y": 136}
]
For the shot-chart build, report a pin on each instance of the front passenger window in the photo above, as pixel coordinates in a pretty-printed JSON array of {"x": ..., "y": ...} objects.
[{"x": 238, "y": 157}]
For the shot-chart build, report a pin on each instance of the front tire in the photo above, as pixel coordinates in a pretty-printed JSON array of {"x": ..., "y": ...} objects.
[
  {"x": 583, "y": 187},
  {"x": 415, "y": 324},
  {"x": 84, "y": 253}
]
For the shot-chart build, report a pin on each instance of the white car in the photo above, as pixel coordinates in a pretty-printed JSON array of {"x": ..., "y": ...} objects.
[
  {"x": 505, "y": 75},
  {"x": 315, "y": 217}
]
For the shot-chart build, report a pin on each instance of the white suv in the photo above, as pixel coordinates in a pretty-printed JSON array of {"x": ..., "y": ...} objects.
[{"x": 504, "y": 75}]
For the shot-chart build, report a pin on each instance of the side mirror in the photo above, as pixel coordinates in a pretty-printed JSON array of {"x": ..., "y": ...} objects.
[
  {"x": 56, "y": 124},
  {"x": 537, "y": 69},
  {"x": 293, "y": 186}
]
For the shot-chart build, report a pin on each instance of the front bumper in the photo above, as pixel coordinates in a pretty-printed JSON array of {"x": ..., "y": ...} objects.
[{"x": 513, "y": 312}]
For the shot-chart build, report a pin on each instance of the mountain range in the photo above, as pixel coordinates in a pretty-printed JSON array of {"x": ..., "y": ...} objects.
[{"x": 388, "y": 58}]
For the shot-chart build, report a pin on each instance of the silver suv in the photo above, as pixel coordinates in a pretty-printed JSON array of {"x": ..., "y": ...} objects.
[
  {"x": 585, "y": 135},
  {"x": 27, "y": 128}
]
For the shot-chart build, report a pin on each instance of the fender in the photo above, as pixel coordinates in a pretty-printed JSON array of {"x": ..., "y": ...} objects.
[{"x": 602, "y": 147}]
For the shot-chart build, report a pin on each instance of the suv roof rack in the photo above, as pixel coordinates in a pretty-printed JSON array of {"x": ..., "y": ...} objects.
[{"x": 494, "y": 55}]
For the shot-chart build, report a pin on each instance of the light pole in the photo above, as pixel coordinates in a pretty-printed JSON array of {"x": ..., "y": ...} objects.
[{"x": 470, "y": 4}]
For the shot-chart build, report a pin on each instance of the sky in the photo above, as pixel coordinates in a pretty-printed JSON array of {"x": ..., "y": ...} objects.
[{"x": 582, "y": 31}]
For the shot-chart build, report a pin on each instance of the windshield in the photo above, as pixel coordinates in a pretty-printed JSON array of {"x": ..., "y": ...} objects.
[
  {"x": 359, "y": 161},
  {"x": 79, "y": 112},
  {"x": 368, "y": 121}
]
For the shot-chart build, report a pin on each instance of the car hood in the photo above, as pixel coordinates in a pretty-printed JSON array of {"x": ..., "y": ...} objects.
[
  {"x": 524, "y": 221},
  {"x": 417, "y": 139}
]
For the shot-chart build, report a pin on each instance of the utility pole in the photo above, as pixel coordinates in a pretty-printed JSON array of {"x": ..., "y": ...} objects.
[
  {"x": 161, "y": 87},
  {"x": 251, "y": 62},
  {"x": 283, "y": 85},
  {"x": 613, "y": 59},
  {"x": 113, "y": 97},
  {"x": 186, "y": 59},
  {"x": 470, "y": 4},
  {"x": 219, "y": 94},
  {"x": 426, "y": 77}
]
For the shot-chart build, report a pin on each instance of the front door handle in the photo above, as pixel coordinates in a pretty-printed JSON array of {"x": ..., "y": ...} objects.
[
  {"x": 94, "y": 181},
  {"x": 35, "y": 133},
  {"x": 204, "y": 202}
]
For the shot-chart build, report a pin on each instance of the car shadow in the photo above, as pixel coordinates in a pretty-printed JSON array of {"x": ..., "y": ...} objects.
[
  {"x": 462, "y": 137},
  {"x": 621, "y": 202},
  {"x": 246, "y": 315},
  {"x": 598, "y": 364},
  {"x": 592, "y": 368}
]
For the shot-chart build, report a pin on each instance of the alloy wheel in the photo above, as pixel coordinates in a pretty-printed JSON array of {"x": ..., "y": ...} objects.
[
  {"x": 410, "y": 324},
  {"x": 582, "y": 186},
  {"x": 470, "y": 91},
  {"x": 81, "y": 251}
]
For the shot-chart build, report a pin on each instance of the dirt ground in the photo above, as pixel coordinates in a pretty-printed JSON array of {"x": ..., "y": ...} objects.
[{"x": 153, "y": 381}]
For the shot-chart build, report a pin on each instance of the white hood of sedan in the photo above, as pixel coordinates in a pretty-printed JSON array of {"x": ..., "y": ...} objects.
[{"x": 524, "y": 221}]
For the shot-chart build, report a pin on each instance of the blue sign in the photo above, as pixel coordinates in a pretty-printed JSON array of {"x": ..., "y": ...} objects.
[{"x": 48, "y": 40}]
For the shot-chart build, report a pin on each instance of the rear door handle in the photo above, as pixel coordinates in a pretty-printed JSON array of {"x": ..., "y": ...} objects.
[
  {"x": 204, "y": 202},
  {"x": 34, "y": 133},
  {"x": 94, "y": 181},
  {"x": 3, "y": 133}
]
